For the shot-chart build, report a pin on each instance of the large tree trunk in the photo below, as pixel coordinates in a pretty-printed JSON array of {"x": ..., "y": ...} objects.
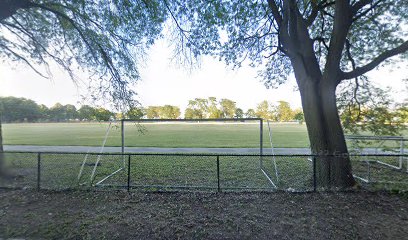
[
  {"x": 318, "y": 88},
  {"x": 318, "y": 94},
  {"x": 326, "y": 135}
]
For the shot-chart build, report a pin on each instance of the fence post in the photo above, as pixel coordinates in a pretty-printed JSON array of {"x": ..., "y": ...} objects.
[
  {"x": 261, "y": 137},
  {"x": 314, "y": 174},
  {"x": 38, "y": 171},
  {"x": 330, "y": 160},
  {"x": 218, "y": 174},
  {"x": 368, "y": 172},
  {"x": 401, "y": 158},
  {"x": 128, "y": 174},
  {"x": 122, "y": 136}
]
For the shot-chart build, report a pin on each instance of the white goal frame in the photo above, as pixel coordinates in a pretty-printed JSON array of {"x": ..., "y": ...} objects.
[
  {"x": 98, "y": 160},
  {"x": 382, "y": 140},
  {"x": 260, "y": 120}
]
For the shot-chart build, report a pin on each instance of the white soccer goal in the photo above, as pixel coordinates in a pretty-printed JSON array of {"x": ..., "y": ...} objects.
[
  {"x": 380, "y": 145},
  {"x": 385, "y": 147},
  {"x": 111, "y": 125},
  {"x": 263, "y": 169},
  {"x": 214, "y": 136}
]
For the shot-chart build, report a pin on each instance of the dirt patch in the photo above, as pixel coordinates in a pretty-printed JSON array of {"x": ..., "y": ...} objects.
[{"x": 69, "y": 215}]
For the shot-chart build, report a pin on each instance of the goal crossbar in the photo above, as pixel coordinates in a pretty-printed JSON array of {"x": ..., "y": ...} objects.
[{"x": 193, "y": 120}]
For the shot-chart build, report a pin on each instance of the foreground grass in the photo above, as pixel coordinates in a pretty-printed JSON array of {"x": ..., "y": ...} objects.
[
  {"x": 117, "y": 215},
  {"x": 155, "y": 135}
]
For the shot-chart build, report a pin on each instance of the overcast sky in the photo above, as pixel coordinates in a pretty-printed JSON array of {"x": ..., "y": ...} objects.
[{"x": 163, "y": 83}]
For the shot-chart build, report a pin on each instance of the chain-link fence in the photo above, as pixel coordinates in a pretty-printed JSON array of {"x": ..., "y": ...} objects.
[
  {"x": 294, "y": 173},
  {"x": 381, "y": 171},
  {"x": 19, "y": 170}
]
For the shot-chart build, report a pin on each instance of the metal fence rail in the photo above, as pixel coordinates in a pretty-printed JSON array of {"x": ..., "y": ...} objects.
[{"x": 197, "y": 172}]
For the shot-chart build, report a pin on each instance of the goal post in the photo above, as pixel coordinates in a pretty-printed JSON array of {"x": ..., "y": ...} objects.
[
  {"x": 381, "y": 145},
  {"x": 240, "y": 136},
  {"x": 97, "y": 159}
]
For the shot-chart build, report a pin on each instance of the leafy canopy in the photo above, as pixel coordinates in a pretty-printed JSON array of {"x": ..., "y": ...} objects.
[
  {"x": 107, "y": 38},
  {"x": 253, "y": 30},
  {"x": 104, "y": 38},
  {"x": 336, "y": 41}
]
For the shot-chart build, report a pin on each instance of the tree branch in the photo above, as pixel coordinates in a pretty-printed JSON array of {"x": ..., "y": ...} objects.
[
  {"x": 38, "y": 45},
  {"x": 18, "y": 56},
  {"x": 341, "y": 26},
  {"x": 183, "y": 31},
  {"x": 353, "y": 65},
  {"x": 285, "y": 38},
  {"x": 321, "y": 40},
  {"x": 313, "y": 15},
  {"x": 374, "y": 63},
  {"x": 183, "y": 35},
  {"x": 316, "y": 8},
  {"x": 62, "y": 15},
  {"x": 275, "y": 12},
  {"x": 362, "y": 14},
  {"x": 359, "y": 5}
]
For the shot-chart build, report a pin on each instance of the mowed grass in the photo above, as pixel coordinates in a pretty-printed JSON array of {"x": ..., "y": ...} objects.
[
  {"x": 154, "y": 172},
  {"x": 170, "y": 135}
]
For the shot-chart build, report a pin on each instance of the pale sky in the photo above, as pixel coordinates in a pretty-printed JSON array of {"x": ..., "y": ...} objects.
[{"x": 163, "y": 83}]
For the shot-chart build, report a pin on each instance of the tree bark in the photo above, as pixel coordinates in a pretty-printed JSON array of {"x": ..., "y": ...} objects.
[
  {"x": 325, "y": 131},
  {"x": 318, "y": 91}
]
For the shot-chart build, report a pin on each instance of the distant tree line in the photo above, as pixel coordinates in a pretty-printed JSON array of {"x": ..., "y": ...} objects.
[
  {"x": 25, "y": 110},
  {"x": 226, "y": 108}
]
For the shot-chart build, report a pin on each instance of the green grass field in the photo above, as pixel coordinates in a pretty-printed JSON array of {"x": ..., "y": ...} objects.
[
  {"x": 155, "y": 135},
  {"x": 60, "y": 171}
]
